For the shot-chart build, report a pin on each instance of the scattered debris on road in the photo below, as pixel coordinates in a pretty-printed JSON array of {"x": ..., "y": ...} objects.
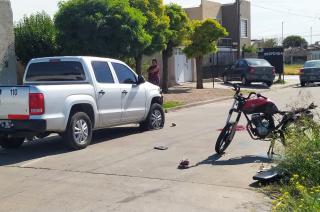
[
  {"x": 184, "y": 164},
  {"x": 173, "y": 125},
  {"x": 267, "y": 175},
  {"x": 161, "y": 147}
]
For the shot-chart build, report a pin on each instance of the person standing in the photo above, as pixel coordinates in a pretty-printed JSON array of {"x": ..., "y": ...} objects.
[{"x": 154, "y": 73}]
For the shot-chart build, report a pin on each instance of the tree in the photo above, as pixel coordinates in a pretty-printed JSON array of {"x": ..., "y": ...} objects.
[
  {"x": 35, "y": 36},
  {"x": 102, "y": 28},
  {"x": 269, "y": 43},
  {"x": 203, "y": 41},
  {"x": 156, "y": 27},
  {"x": 295, "y": 41},
  {"x": 178, "y": 32},
  {"x": 249, "y": 49}
]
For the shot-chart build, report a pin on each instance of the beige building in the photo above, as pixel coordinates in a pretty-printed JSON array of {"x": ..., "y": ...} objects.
[
  {"x": 8, "y": 62},
  {"x": 182, "y": 69}
]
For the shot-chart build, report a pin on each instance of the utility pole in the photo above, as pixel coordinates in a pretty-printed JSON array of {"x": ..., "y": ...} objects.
[
  {"x": 311, "y": 36},
  {"x": 282, "y": 47},
  {"x": 239, "y": 28},
  {"x": 282, "y": 38}
]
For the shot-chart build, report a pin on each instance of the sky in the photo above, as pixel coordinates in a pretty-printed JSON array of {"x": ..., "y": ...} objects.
[{"x": 298, "y": 17}]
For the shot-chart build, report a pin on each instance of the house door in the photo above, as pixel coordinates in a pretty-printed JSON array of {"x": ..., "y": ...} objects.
[{"x": 183, "y": 69}]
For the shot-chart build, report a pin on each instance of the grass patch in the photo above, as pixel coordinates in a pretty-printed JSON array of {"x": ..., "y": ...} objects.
[
  {"x": 279, "y": 81},
  {"x": 172, "y": 104},
  {"x": 300, "y": 190},
  {"x": 293, "y": 69}
]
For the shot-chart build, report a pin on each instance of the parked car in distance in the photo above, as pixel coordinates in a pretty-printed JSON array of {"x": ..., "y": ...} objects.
[
  {"x": 72, "y": 96},
  {"x": 250, "y": 70},
  {"x": 310, "y": 72}
]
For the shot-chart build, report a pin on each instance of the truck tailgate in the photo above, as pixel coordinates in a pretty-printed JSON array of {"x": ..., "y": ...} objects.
[{"x": 14, "y": 102}]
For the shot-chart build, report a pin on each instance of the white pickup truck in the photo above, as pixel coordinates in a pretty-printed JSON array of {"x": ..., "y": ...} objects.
[{"x": 72, "y": 96}]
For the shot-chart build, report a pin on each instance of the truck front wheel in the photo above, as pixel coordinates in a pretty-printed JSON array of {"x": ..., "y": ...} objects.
[
  {"x": 155, "y": 119},
  {"x": 11, "y": 143},
  {"x": 78, "y": 134}
]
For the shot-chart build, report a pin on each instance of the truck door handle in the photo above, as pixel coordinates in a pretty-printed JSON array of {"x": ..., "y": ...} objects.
[
  {"x": 125, "y": 92},
  {"x": 102, "y": 92}
]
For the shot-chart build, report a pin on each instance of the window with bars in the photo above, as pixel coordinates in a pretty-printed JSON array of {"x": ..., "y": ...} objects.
[{"x": 244, "y": 28}]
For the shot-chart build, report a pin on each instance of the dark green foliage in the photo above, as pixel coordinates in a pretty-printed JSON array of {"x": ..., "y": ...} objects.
[
  {"x": 156, "y": 26},
  {"x": 204, "y": 41},
  {"x": 295, "y": 41},
  {"x": 179, "y": 29},
  {"x": 35, "y": 36},
  {"x": 101, "y": 28}
]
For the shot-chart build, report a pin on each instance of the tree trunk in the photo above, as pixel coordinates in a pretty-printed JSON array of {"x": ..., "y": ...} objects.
[
  {"x": 165, "y": 72},
  {"x": 199, "y": 72},
  {"x": 138, "y": 60}
]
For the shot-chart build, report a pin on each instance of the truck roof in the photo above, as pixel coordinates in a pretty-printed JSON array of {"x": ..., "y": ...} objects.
[{"x": 86, "y": 58}]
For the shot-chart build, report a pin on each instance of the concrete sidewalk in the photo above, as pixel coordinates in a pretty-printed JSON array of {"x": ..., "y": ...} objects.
[{"x": 291, "y": 80}]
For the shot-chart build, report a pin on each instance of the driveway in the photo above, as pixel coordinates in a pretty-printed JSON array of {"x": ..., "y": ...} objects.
[{"x": 121, "y": 171}]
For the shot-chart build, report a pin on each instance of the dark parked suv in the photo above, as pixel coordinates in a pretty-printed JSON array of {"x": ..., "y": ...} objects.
[
  {"x": 310, "y": 72},
  {"x": 250, "y": 70}
]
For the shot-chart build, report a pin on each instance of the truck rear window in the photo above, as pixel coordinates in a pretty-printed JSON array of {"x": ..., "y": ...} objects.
[{"x": 55, "y": 71}]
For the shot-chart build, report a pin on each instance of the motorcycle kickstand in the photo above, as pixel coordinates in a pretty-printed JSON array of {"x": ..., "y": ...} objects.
[{"x": 271, "y": 147}]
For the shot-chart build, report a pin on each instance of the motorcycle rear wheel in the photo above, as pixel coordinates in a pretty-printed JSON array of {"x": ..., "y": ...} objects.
[{"x": 225, "y": 137}]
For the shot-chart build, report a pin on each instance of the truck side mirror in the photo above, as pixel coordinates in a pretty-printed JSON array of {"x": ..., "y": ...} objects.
[{"x": 141, "y": 80}]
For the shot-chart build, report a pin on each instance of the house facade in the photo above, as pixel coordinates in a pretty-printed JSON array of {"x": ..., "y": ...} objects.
[
  {"x": 314, "y": 50},
  {"x": 182, "y": 69},
  {"x": 226, "y": 15}
]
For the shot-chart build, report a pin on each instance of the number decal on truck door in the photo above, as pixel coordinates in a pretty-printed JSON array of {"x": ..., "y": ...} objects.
[{"x": 14, "y": 92}]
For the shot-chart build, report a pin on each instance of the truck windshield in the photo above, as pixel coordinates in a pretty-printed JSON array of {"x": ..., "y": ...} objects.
[{"x": 55, "y": 71}]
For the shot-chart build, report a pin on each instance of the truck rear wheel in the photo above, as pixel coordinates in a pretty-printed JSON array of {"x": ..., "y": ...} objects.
[
  {"x": 155, "y": 119},
  {"x": 78, "y": 134},
  {"x": 11, "y": 143}
]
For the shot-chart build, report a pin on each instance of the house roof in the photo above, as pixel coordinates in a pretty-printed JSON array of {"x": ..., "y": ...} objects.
[{"x": 296, "y": 51}]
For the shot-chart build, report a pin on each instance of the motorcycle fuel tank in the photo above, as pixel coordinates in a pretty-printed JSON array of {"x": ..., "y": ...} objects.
[{"x": 259, "y": 105}]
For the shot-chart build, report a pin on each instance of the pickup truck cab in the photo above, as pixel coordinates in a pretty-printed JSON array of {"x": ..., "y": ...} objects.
[{"x": 73, "y": 96}]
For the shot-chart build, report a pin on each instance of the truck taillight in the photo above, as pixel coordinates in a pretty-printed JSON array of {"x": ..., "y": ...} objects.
[
  {"x": 274, "y": 71},
  {"x": 301, "y": 71},
  {"x": 36, "y": 104},
  {"x": 251, "y": 70}
]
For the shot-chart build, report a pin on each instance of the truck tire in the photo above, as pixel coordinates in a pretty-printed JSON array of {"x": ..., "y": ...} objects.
[
  {"x": 269, "y": 84},
  {"x": 155, "y": 119},
  {"x": 11, "y": 143},
  {"x": 78, "y": 134}
]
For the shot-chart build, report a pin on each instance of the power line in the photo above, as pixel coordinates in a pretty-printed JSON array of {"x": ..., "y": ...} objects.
[{"x": 284, "y": 11}]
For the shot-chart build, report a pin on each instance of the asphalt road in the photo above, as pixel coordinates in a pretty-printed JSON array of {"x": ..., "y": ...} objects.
[{"x": 121, "y": 171}]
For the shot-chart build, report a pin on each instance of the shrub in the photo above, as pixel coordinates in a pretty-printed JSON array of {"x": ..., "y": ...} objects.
[{"x": 302, "y": 164}]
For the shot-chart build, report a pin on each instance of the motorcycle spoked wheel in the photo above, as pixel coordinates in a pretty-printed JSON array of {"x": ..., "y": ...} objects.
[{"x": 225, "y": 137}]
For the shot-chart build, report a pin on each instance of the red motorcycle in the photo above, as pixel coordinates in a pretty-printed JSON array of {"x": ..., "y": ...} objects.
[{"x": 261, "y": 114}]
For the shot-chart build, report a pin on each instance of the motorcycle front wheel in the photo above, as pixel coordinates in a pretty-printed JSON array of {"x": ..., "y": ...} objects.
[{"x": 225, "y": 137}]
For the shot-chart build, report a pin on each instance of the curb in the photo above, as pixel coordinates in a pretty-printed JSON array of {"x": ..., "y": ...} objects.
[
  {"x": 198, "y": 104},
  {"x": 214, "y": 100}
]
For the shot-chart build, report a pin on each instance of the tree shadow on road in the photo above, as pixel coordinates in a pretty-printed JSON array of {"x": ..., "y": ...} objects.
[
  {"x": 215, "y": 160},
  {"x": 54, "y": 145}
]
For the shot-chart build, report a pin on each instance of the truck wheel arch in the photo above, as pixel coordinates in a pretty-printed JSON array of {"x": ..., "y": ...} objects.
[
  {"x": 156, "y": 99},
  {"x": 86, "y": 108}
]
